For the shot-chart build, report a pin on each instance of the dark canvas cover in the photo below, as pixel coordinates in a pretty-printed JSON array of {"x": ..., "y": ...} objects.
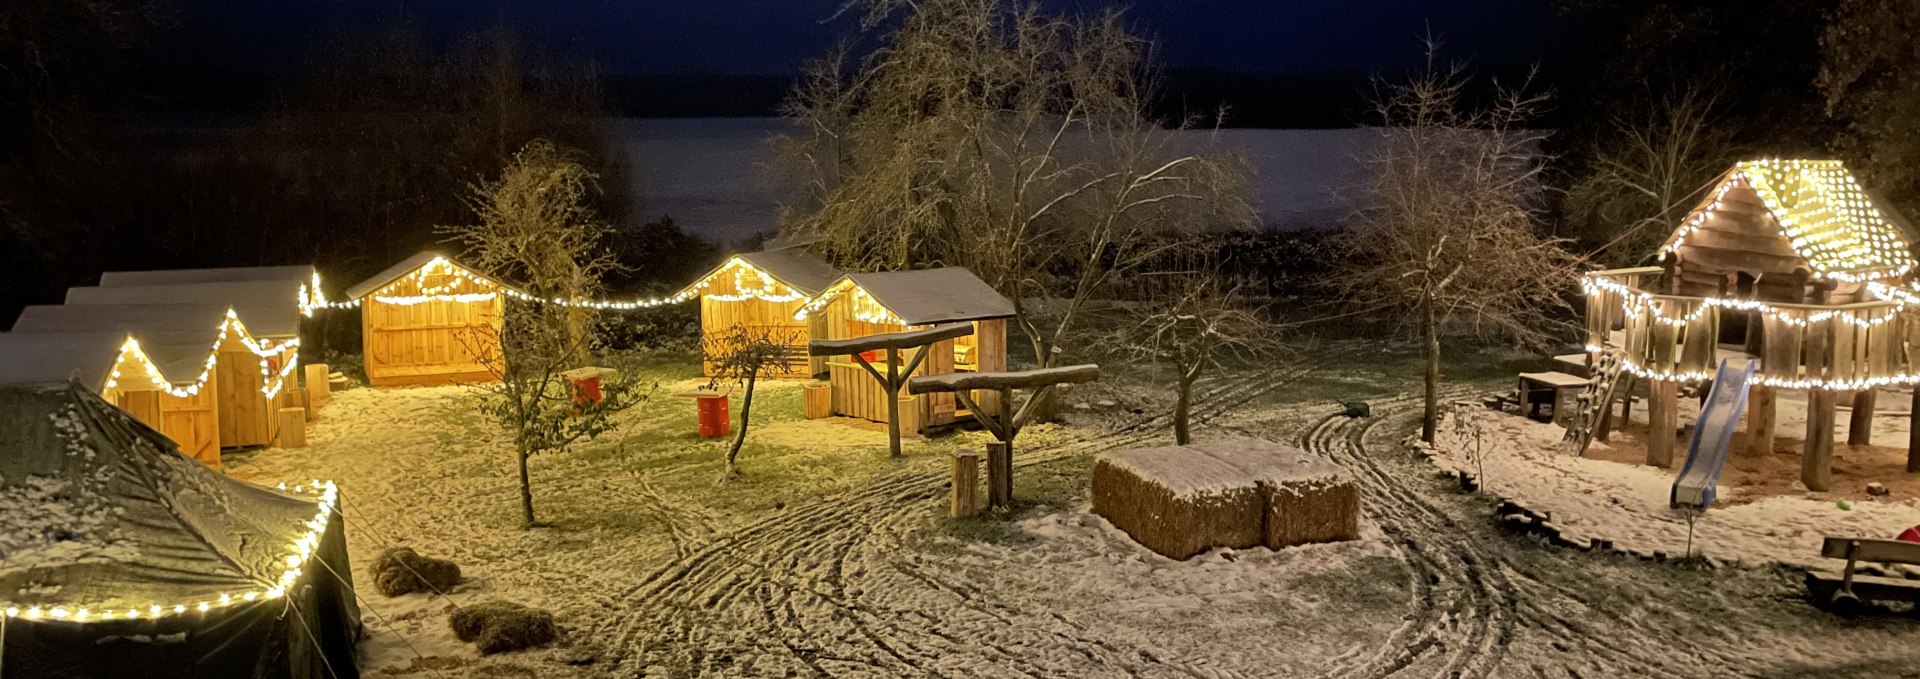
[{"x": 99, "y": 512}]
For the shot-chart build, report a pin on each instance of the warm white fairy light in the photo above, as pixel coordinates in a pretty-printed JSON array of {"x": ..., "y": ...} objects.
[
  {"x": 300, "y": 551},
  {"x": 763, "y": 286},
  {"x": 267, "y": 351},
  {"x": 423, "y": 292},
  {"x": 1823, "y": 212},
  {"x": 1634, "y": 302},
  {"x": 860, "y": 305}
]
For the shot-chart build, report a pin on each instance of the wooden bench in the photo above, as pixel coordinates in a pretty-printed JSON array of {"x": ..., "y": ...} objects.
[
  {"x": 1848, "y": 587},
  {"x": 1553, "y": 384}
]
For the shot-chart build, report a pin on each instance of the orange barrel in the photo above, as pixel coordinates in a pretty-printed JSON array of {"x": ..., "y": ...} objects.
[{"x": 713, "y": 416}]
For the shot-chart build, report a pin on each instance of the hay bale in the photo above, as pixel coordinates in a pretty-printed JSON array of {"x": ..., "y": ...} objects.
[
  {"x": 498, "y": 626},
  {"x": 1177, "y": 502},
  {"x": 1307, "y": 498},
  {"x": 400, "y": 570}
]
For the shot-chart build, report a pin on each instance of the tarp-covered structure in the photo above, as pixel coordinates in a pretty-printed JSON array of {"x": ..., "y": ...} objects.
[{"x": 119, "y": 557}]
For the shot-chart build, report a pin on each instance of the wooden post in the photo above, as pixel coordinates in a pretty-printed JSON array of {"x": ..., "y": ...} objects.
[
  {"x": 1760, "y": 420},
  {"x": 1860, "y": 425},
  {"x": 1913, "y": 433},
  {"x": 1662, "y": 400},
  {"x": 999, "y": 475},
  {"x": 965, "y": 494},
  {"x": 893, "y": 402},
  {"x": 292, "y": 423},
  {"x": 819, "y": 400},
  {"x": 299, "y": 397},
  {"x": 1816, "y": 463},
  {"x": 318, "y": 391}
]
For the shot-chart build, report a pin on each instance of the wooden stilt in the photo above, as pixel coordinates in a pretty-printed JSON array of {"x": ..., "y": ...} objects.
[
  {"x": 1913, "y": 433},
  {"x": 1816, "y": 467},
  {"x": 1662, "y": 399},
  {"x": 999, "y": 474},
  {"x": 1860, "y": 425},
  {"x": 1760, "y": 420}
]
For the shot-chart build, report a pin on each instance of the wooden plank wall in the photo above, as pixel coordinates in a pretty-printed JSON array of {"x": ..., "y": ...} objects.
[
  {"x": 246, "y": 414},
  {"x": 857, "y": 394},
  {"x": 717, "y": 318},
  {"x": 433, "y": 342},
  {"x": 192, "y": 422}
]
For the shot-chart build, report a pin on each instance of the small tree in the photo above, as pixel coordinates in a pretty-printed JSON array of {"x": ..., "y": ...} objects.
[
  {"x": 1445, "y": 234},
  {"x": 1652, "y": 167},
  {"x": 1200, "y": 325},
  {"x": 535, "y": 231},
  {"x": 1871, "y": 83},
  {"x": 742, "y": 355}
]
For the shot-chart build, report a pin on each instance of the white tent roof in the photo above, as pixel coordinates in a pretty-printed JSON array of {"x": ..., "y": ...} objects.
[
  {"x": 55, "y": 358},
  {"x": 268, "y": 308}
]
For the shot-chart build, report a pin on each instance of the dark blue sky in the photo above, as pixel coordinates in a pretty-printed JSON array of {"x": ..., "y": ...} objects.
[{"x": 775, "y": 36}]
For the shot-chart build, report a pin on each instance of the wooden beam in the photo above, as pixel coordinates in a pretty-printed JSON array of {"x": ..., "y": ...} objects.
[
  {"x": 906, "y": 339},
  {"x": 1019, "y": 379},
  {"x": 1816, "y": 462}
]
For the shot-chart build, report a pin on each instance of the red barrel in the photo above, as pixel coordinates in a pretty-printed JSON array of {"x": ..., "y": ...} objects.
[
  {"x": 586, "y": 390},
  {"x": 714, "y": 421}
]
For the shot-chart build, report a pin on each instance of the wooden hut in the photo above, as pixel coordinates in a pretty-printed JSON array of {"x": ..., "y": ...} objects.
[
  {"x": 169, "y": 387},
  {"x": 861, "y": 304},
  {"x": 1790, "y": 262},
  {"x": 251, "y": 370},
  {"x": 763, "y": 291},
  {"x": 428, "y": 320}
]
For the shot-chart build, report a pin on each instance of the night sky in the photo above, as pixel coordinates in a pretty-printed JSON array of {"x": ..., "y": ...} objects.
[{"x": 777, "y": 36}]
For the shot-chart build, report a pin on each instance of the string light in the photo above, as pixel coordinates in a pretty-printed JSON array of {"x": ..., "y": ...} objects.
[
  {"x": 766, "y": 288},
  {"x": 1823, "y": 212},
  {"x": 860, "y": 305},
  {"x": 272, "y": 381},
  {"x": 1635, "y": 302},
  {"x": 299, "y": 553},
  {"x": 487, "y": 290}
]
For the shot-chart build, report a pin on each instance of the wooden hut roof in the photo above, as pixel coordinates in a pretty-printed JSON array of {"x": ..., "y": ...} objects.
[
  {"x": 923, "y": 296},
  {"x": 188, "y": 324},
  {"x": 406, "y": 266},
  {"x": 791, "y": 266},
  {"x": 1826, "y": 217},
  {"x": 56, "y": 358},
  {"x": 245, "y": 274},
  {"x": 267, "y": 308}
]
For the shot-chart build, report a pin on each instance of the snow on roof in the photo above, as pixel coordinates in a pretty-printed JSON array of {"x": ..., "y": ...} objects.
[
  {"x": 244, "y": 274},
  {"x": 1830, "y": 220},
  {"x": 267, "y": 308},
  {"x": 56, "y": 358},
  {"x": 400, "y": 269},
  {"x": 792, "y": 266},
  {"x": 928, "y": 296}
]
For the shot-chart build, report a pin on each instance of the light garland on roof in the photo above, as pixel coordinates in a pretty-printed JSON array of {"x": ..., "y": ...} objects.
[
  {"x": 860, "y": 305},
  {"x": 1634, "y": 301},
  {"x": 300, "y": 551},
  {"x": 1694, "y": 376},
  {"x": 441, "y": 266},
  {"x": 767, "y": 288},
  {"x": 272, "y": 382},
  {"x": 1823, "y": 212}
]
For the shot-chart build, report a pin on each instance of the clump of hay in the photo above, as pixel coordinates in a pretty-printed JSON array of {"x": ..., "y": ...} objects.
[
  {"x": 400, "y": 570},
  {"x": 495, "y": 626}
]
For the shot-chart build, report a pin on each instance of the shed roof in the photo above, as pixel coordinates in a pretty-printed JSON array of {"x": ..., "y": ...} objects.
[
  {"x": 56, "y": 358},
  {"x": 927, "y": 296},
  {"x": 244, "y": 274},
  {"x": 1830, "y": 220},
  {"x": 153, "y": 324},
  {"x": 792, "y": 266},
  {"x": 399, "y": 270},
  {"x": 268, "y": 308}
]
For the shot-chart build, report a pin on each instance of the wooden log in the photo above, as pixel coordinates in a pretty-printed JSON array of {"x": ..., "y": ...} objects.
[
  {"x": 999, "y": 475},
  {"x": 292, "y": 424},
  {"x": 1662, "y": 400},
  {"x": 819, "y": 399},
  {"x": 965, "y": 494},
  {"x": 1913, "y": 433},
  {"x": 1860, "y": 424},
  {"x": 1760, "y": 420},
  {"x": 1020, "y": 379},
  {"x": 317, "y": 385},
  {"x": 300, "y": 397},
  {"x": 889, "y": 340},
  {"x": 1816, "y": 462},
  {"x": 909, "y": 414}
]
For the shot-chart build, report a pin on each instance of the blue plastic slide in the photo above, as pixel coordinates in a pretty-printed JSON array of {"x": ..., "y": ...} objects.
[{"x": 1712, "y": 434}]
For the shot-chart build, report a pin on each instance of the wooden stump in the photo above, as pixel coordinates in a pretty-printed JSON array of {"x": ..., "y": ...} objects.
[
  {"x": 1662, "y": 400},
  {"x": 317, "y": 385},
  {"x": 300, "y": 397},
  {"x": 1860, "y": 425},
  {"x": 1816, "y": 466},
  {"x": 909, "y": 415},
  {"x": 819, "y": 400},
  {"x": 293, "y": 427},
  {"x": 965, "y": 495},
  {"x": 999, "y": 475},
  {"x": 1760, "y": 420}
]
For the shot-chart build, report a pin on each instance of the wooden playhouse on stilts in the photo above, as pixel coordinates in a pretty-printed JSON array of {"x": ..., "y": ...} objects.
[
  {"x": 1787, "y": 262},
  {"x": 763, "y": 291},
  {"x": 428, "y": 320},
  {"x": 862, "y": 304}
]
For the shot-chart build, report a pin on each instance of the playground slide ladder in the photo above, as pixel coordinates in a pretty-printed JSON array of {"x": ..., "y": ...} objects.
[
  {"x": 1594, "y": 400},
  {"x": 1713, "y": 434}
]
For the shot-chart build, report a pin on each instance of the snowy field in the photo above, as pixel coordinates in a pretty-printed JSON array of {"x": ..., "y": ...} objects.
[
  {"x": 1759, "y": 517},
  {"x": 827, "y": 559},
  {"x": 710, "y": 174}
]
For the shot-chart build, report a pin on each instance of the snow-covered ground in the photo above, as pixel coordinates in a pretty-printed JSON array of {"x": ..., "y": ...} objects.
[
  {"x": 1760, "y": 517},
  {"x": 710, "y": 174}
]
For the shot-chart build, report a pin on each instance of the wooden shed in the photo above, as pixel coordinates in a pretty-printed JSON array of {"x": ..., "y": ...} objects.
[
  {"x": 861, "y": 304},
  {"x": 428, "y": 320},
  {"x": 166, "y": 386},
  {"x": 254, "y": 330},
  {"x": 763, "y": 291}
]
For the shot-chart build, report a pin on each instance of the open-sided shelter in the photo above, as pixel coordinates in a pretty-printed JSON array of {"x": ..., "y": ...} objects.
[
  {"x": 1790, "y": 262},
  {"x": 254, "y": 337},
  {"x": 763, "y": 291},
  {"x": 125, "y": 559},
  {"x": 429, "y": 320},
  {"x": 861, "y": 304}
]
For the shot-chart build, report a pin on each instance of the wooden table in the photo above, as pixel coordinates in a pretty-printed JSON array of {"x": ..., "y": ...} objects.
[{"x": 1551, "y": 382}]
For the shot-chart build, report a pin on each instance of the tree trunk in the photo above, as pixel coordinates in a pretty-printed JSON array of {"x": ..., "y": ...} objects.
[
  {"x": 1430, "y": 419},
  {"x": 740, "y": 437},
  {"x": 1182, "y": 410},
  {"x": 526, "y": 494}
]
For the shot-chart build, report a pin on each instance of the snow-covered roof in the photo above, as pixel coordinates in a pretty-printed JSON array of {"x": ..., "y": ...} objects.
[
  {"x": 244, "y": 274},
  {"x": 792, "y": 266},
  {"x": 926, "y": 296},
  {"x": 400, "y": 269},
  {"x": 268, "y": 308},
  {"x": 1830, "y": 220},
  {"x": 43, "y": 359}
]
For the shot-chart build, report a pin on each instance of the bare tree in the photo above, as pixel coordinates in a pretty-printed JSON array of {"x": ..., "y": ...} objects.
[
  {"x": 991, "y": 135},
  {"x": 742, "y": 355},
  {"x": 1198, "y": 325},
  {"x": 1445, "y": 233},
  {"x": 535, "y": 232},
  {"x": 1650, "y": 171},
  {"x": 1872, "y": 84}
]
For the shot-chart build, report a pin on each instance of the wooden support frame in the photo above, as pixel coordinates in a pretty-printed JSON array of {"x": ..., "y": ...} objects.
[
  {"x": 892, "y": 342},
  {"x": 1007, "y": 427}
]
